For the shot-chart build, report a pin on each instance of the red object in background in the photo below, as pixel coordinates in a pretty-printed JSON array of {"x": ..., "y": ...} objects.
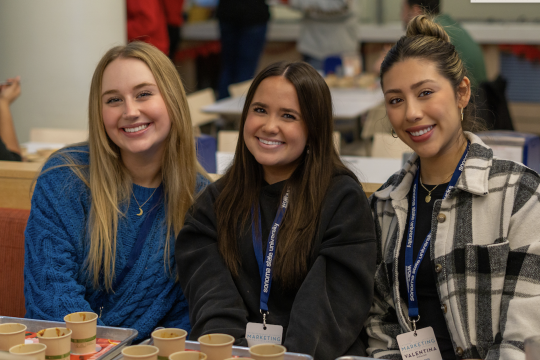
[
  {"x": 529, "y": 52},
  {"x": 147, "y": 20}
]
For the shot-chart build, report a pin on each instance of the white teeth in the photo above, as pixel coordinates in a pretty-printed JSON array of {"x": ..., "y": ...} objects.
[
  {"x": 267, "y": 142},
  {"x": 422, "y": 132},
  {"x": 135, "y": 129}
]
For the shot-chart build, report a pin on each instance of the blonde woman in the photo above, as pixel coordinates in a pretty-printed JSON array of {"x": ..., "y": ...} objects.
[{"x": 105, "y": 213}]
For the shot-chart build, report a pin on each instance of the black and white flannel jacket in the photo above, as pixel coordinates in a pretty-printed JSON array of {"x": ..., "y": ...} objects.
[{"x": 485, "y": 249}]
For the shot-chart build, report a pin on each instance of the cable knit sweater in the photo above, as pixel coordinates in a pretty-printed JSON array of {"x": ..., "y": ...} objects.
[{"x": 56, "y": 247}]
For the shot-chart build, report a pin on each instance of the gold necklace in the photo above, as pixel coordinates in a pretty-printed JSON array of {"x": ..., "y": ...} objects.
[
  {"x": 140, "y": 206},
  {"x": 428, "y": 196}
]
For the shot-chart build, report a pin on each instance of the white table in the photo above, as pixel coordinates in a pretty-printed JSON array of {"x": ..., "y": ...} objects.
[
  {"x": 348, "y": 104},
  {"x": 367, "y": 169}
]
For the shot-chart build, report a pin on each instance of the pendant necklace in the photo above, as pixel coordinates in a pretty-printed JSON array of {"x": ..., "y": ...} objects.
[
  {"x": 428, "y": 196},
  {"x": 140, "y": 206}
]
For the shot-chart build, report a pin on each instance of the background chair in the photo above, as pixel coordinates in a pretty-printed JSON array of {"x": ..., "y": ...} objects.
[
  {"x": 239, "y": 89},
  {"x": 386, "y": 146},
  {"x": 63, "y": 136}
]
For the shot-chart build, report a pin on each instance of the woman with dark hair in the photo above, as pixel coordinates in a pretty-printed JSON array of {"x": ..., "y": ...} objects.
[
  {"x": 318, "y": 284},
  {"x": 458, "y": 260}
]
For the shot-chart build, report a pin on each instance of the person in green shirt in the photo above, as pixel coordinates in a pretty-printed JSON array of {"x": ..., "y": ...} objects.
[{"x": 469, "y": 51}]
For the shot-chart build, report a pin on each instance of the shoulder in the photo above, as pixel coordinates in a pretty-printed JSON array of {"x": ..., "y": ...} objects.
[
  {"x": 201, "y": 183},
  {"x": 344, "y": 188},
  {"x": 63, "y": 165}
]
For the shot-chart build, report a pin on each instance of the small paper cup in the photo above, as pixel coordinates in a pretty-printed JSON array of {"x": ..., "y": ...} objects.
[
  {"x": 267, "y": 352},
  {"x": 217, "y": 346},
  {"x": 84, "y": 327},
  {"x": 188, "y": 355},
  {"x": 169, "y": 341},
  {"x": 140, "y": 352},
  {"x": 11, "y": 334},
  {"x": 58, "y": 341},
  {"x": 29, "y": 351}
]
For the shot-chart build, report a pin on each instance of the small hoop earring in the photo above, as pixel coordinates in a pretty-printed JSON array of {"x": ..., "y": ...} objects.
[
  {"x": 461, "y": 114},
  {"x": 393, "y": 133}
]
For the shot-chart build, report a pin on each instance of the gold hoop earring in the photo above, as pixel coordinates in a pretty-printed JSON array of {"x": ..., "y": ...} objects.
[
  {"x": 393, "y": 133},
  {"x": 461, "y": 114}
]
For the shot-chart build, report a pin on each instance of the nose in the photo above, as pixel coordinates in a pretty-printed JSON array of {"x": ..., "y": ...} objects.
[
  {"x": 131, "y": 110},
  {"x": 271, "y": 126},
  {"x": 414, "y": 111}
]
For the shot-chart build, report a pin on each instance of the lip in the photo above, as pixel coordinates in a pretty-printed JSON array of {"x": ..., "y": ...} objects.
[
  {"x": 423, "y": 137},
  {"x": 267, "y": 146},
  {"x": 137, "y": 133}
]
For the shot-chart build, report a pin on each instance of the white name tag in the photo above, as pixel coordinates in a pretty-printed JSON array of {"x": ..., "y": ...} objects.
[
  {"x": 423, "y": 346},
  {"x": 255, "y": 334}
]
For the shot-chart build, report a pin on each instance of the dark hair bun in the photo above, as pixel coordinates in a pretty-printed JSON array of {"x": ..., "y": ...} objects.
[{"x": 425, "y": 26}]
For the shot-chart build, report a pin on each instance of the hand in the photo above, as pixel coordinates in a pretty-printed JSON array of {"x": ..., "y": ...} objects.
[{"x": 10, "y": 90}]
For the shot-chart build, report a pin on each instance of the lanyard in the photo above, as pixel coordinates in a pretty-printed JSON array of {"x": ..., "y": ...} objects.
[
  {"x": 265, "y": 266},
  {"x": 411, "y": 268}
]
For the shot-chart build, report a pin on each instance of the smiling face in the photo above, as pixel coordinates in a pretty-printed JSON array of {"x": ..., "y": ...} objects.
[
  {"x": 423, "y": 107},
  {"x": 275, "y": 132},
  {"x": 134, "y": 112}
]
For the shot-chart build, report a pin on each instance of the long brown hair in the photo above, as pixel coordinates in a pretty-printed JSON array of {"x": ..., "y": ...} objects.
[
  {"x": 308, "y": 184},
  {"x": 108, "y": 179}
]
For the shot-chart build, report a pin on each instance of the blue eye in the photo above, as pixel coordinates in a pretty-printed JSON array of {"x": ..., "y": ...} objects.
[
  {"x": 144, "y": 94},
  {"x": 112, "y": 100}
]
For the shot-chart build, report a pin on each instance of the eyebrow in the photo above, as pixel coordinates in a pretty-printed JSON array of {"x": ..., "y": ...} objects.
[
  {"x": 282, "y": 109},
  {"x": 413, "y": 86},
  {"x": 136, "y": 87}
]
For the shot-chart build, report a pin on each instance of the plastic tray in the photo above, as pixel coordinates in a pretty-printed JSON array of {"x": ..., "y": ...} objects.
[
  {"x": 125, "y": 336},
  {"x": 240, "y": 351}
]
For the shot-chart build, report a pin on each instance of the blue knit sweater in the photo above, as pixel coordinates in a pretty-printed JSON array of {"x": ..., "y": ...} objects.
[{"x": 56, "y": 246}]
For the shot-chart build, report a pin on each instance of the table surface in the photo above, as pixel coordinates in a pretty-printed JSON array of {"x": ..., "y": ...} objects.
[
  {"x": 348, "y": 103},
  {"x": 367, "y": 169}
]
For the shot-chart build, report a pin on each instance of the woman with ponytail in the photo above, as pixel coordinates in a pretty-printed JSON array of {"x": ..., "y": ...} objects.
[
  {"x": 105, "y": 213},
  {"x": 459, "y": 253}
]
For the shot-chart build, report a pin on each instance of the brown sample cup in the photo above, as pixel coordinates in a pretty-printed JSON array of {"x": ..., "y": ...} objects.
[
  {"x": 217, "y": 346},
  {"x": 58, "y": 341},
  {"x": 11, "y": 334},
  {"x": 84, "y": 327},
  {"x": 267, "y": 352},
  {"x": 140, "y": 352},
  {"x": 188, "y": 355},
  {"x": 29, "y": 351},
  {"x": 169, "y": 341}
]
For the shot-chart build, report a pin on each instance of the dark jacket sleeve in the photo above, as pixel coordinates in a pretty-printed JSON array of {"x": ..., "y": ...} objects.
[
  {"x": 334, "y": 299},
  {"x": 215, "y": 306}
]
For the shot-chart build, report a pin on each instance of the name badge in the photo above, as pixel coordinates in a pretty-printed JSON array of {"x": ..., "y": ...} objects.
[
  {"x": 255, "y": 334},
  {"x": 422, "y": 346}
]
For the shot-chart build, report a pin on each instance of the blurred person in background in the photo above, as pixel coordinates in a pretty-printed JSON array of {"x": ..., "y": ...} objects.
[
  {"x": 156, "y": 22},
  {"x": 243, "y": 28},
  {"x": 329, "y": 27},
  {"x": 9, "y": 146}
]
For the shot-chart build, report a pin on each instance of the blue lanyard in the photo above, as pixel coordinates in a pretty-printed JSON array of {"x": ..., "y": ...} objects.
[
  {"x": 410, "y": 269},
  {"x": 265, "y": 267}
]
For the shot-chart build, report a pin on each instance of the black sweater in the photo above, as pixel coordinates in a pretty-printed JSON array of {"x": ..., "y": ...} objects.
[{"x": 325, "y": 315}]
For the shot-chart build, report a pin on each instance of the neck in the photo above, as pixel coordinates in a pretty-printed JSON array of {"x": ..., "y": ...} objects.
[
  {"x": 144, "y": 171},
  {"x": 439, "y": 169},
  {"x": 274, "y": 175}
]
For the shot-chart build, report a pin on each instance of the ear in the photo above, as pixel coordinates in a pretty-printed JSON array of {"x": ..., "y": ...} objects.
[{"x": 464, "y": 92}]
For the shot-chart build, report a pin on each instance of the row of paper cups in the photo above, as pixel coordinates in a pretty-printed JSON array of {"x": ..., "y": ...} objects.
[
  {"x": 78, "y": 337},
  {"x": 170, "y": 345}
]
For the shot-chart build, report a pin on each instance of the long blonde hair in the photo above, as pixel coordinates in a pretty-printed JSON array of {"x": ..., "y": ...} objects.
[{"x": 108, "y": 179}]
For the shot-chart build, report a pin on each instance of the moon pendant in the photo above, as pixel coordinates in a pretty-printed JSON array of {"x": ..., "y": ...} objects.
[
  {"x": 139, "y": 214},
  {"x": 428, "y": 199}
]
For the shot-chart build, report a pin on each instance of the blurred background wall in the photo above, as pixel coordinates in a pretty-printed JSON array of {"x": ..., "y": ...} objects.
[{"x": 54, "y": 46}]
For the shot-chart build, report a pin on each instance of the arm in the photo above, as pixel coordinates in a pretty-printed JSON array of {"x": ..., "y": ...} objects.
[
  {"x": 334, "y": 299},
  {"x": 382, "y": 325},
  {"x": 53, "y": 248},
  {"x": 215, "y": 306},
  {"x": 8, "y": 94},
  {"x": 519, "y": 317}
]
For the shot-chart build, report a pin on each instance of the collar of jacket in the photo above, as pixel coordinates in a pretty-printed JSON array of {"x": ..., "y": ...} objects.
[{"x": 474, "y": 178}]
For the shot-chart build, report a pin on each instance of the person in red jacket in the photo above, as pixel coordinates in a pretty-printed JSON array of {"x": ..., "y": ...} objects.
[{"x": 156, "y": 22}]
